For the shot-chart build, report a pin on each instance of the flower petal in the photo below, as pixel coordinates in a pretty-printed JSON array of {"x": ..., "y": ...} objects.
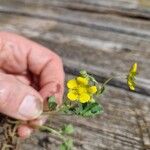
[
  {"x": 92, "y": 89},
  {"x": 131, "y": 77},
  {"x": 72, "y": 95},
  {"x": 134, "y": 68},
  {"x": 83, "y": 98},
  {"x": 72, "y": 84},
  {"x": 82, "y": 89},
  {"x": 131, "y": 84},
  {"x": 82, "y": 80}
]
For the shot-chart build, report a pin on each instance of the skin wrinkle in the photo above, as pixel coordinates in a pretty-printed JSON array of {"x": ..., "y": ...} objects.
[
  {"x": 47, "y": 62},
  {"x": 27, "y": 57},
  {"x": 41, "y": 73},
  {"x": 45, "y": 66},
  {"x": 36, "y": 65},
  {"x": 23, "y": 79},
  {"x": 44, "y": 76},
  {"x": 48, "y": 83},
  {"x": 15, "y": 55},
  {"x": 12, "y": 61}
]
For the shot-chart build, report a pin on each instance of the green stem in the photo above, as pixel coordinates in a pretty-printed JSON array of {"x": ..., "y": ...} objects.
[
  {"x": 109, "y": 79},
  {"x": 51, "y": 130}
]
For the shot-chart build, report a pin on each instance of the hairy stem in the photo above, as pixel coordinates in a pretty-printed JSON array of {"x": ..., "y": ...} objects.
[{"x": 51, "y": 130}]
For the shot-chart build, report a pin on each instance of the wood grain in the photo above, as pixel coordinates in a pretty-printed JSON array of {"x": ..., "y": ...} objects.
[
  {"x": 105, "y": 38},
  {"x": 116, "y": 128},
  {"x": 88, "y": 49},
  {"x": 134, "y": 8},
  {"x": 97, "y": 21}
]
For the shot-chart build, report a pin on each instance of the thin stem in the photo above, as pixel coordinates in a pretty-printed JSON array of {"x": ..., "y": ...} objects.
[
  {"x": 108, "y": 80},
  {"x": 16, "y": 122},
  {"x": 51, "y": 130}
]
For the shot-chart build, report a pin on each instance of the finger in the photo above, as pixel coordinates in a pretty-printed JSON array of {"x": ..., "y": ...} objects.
[
  {"x": 39, "y": 121},
  {"x": 20, "y": 54},
  {"x": 18, "y": 100},
  {"x": 24, "y": 131},
  {"x": 23, "y": 79},
  {"x": 53, "y": 89},
  {"x": 50, "y": 68}
]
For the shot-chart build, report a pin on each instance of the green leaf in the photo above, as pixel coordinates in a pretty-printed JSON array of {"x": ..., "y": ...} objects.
[
  {"x": 67, "y": 129},
  {"x": 67, "y": 109},
  {"x": 91, "y": 109},
  {"x": 78, "y": 109},
  {"x": 86, "y": 109},
  {"x": 63, "y": 147},
  {"x": 86, "y": 75},
  {"x": 52, "y": 103},
  {"x": 83, "y": 73},
  {"x": 67, "y": 145}
]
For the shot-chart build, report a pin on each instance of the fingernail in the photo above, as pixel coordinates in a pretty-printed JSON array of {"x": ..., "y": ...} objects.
[{"x": 31, "y": 107}]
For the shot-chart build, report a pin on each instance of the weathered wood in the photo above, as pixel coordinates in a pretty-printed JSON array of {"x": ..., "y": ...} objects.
[
  {"x": 88, "y": 51},
  {"x": 97, "y": 21},
  {"x": 116, "y": 128},
  {"x": 105, "y": 39},
  {"x": 134, "y": 8}
]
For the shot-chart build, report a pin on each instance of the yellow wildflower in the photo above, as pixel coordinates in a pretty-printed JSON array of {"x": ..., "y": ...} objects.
[
  {"x": 80, "y": 90},
  {"x": 131, "y": 77}
]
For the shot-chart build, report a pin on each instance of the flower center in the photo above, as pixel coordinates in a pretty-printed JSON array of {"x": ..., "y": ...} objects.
[{"x": 82, "y": 89}]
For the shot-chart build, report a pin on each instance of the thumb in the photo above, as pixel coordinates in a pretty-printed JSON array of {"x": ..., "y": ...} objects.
[{"x": 18, "y": 100}]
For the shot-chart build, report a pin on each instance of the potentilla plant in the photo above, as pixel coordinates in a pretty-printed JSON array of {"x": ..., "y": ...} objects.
[{"x": 82, "y": 94}]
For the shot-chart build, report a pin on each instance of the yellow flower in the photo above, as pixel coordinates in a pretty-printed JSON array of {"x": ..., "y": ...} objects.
[
  {"x": 131, "y": 77},
  {"x": 80, "y": 90}
]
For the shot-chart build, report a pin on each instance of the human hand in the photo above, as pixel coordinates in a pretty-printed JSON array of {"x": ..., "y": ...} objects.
[{"x": 29, "y": 73}]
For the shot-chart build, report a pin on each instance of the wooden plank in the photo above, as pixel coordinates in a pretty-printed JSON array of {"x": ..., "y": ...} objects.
[
  {"x": 78, "y": 47},
  {"x": 117, "y": 128},
  {"x": 97, "y": 21},
  {"x": 125, "y": 123},
  {"x": 118, "y": 42},
  {"x": 134, "y": 8}
]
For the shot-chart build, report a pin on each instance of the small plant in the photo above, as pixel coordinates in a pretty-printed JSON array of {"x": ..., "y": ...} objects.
[
  {"x": 82, "y": 94},
  {"x": 81, "y": 100}
]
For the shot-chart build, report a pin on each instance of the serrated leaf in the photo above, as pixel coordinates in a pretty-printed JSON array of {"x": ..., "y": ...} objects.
[
  {"x": 83, "y": 73},
  {"x": 52, "y": 103},
  {"x": 91, "y": 109},
  {"x": 67, "y": 109}
]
